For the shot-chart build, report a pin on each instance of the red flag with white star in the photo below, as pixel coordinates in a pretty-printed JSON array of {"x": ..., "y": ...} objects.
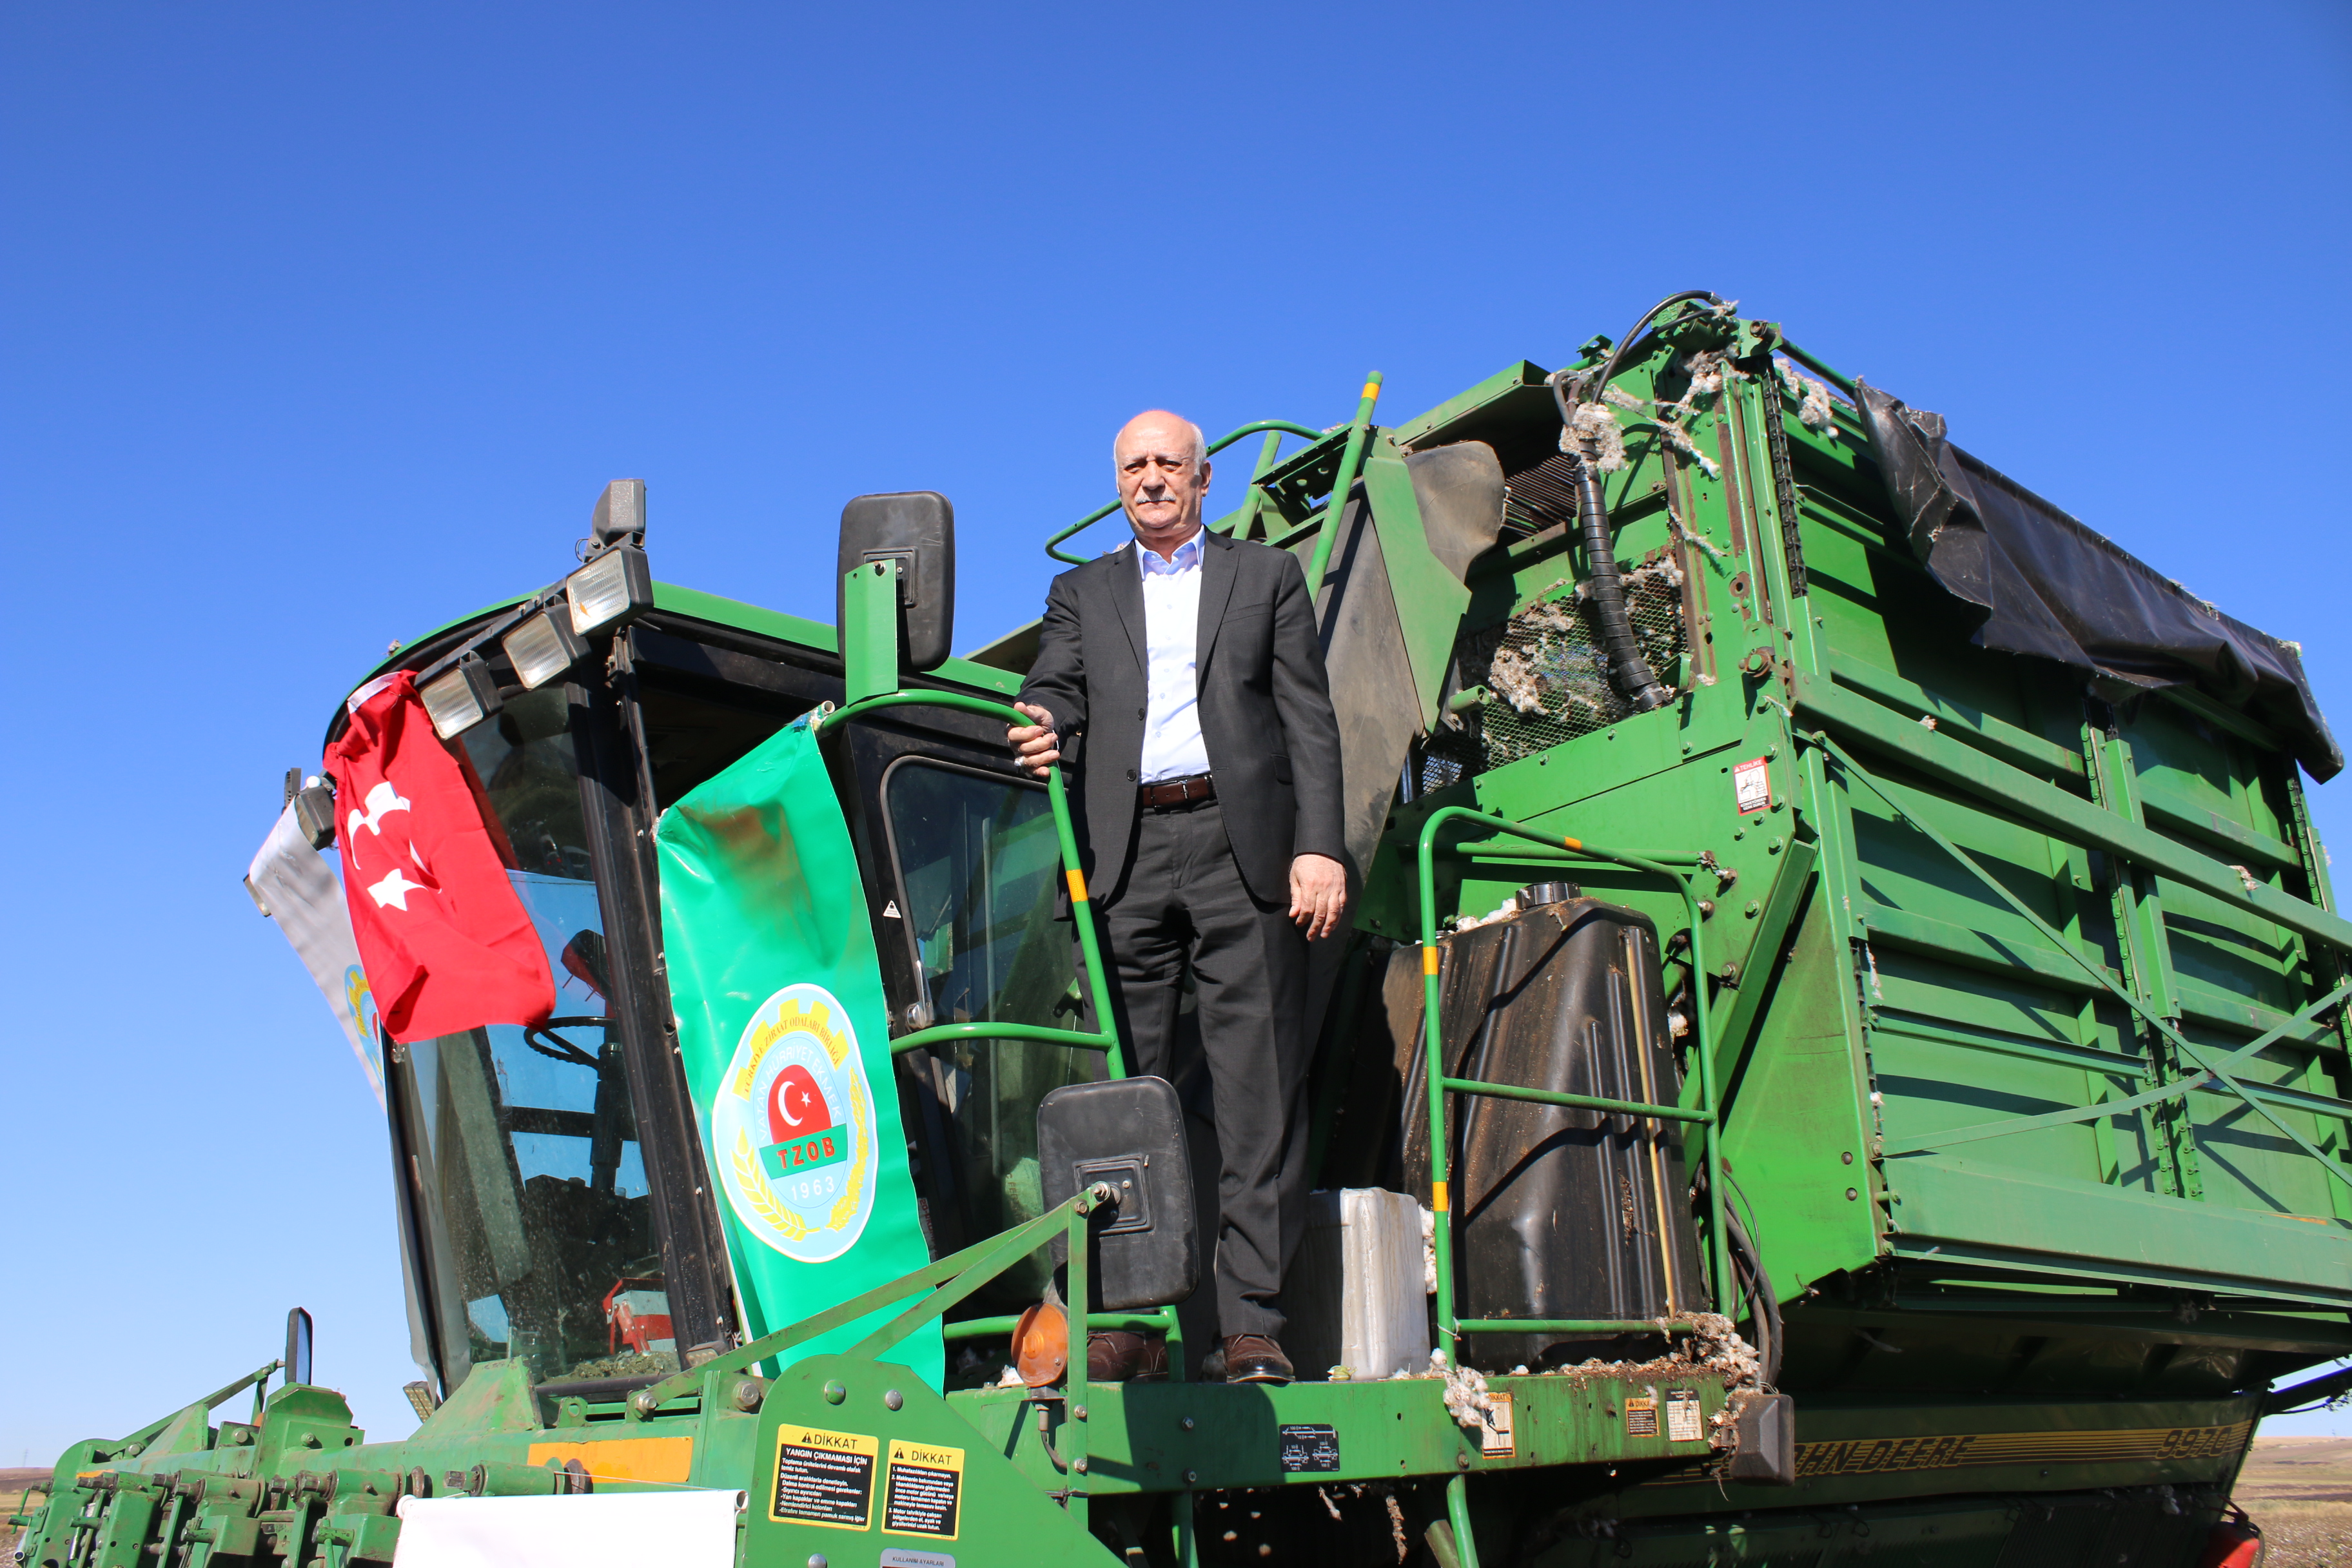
[{"x": 443, "y": 936}]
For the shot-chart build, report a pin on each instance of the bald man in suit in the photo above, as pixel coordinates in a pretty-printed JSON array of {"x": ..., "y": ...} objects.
[{"x": 1182, "y": 677}]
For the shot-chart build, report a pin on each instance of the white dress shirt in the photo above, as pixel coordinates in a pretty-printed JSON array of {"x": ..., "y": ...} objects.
[{"x": 1172, "y": 747}]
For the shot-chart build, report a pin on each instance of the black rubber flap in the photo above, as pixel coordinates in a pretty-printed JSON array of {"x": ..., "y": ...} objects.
[
  {"x": 1460, "y": 490},
  {"x": 1129, "y": 1133},
  {"x": 2049, "y": 586}
]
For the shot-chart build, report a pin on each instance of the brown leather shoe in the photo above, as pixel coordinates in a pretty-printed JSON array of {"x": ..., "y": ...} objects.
[
  {"x": 1118, "y": 1355},
  {"x": 1255, "y": 1358}
]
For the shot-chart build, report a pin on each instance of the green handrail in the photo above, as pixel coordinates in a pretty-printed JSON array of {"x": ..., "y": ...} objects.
[
  {"x": 941, "y": 1283},
  {"x": 994, "y": 1327},
  {"x": 1089, "y": 946},
  {"x": 1276, "y": 428},
  {"x": 1350, "y": 459},
  {"x": 1105, "y": 1039},
  {"x": 1244, "y": 519},
  {"x": 1451, "y": 1328}
]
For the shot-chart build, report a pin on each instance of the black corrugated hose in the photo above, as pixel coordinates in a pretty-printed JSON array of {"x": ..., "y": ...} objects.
[{"x": 1628, "y": 669}]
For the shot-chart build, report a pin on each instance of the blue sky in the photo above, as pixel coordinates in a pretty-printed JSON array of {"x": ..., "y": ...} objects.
[{"x": 324, "y": 324}]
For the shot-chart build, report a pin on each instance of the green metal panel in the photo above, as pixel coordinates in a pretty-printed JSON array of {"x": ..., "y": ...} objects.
[
  {"x": 1796, "y": 1103},
  {"x": 1429, "y": 601},
  {"x": 829, "y": 1418}
]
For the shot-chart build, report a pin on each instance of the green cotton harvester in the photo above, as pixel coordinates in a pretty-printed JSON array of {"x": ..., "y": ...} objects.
[{"x": 1841, "y": 1049}]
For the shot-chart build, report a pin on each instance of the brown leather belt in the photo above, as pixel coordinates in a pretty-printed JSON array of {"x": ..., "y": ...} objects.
[{"x": 1176, "y": 792}]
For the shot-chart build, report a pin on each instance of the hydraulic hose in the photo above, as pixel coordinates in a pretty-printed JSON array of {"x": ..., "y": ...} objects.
[
  {"x": 1761, "y": 1297},
  {"x": 1627, "y": 668},
  {"x": 1609, "y": 365}
]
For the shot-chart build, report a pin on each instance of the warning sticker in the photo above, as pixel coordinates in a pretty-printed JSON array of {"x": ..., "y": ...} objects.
[
  {"x": 1641, "y": 1417},
  {"x": 1495, "y": 1438},
  {"x": 1751, "y": 785},
  {"x": 1309, "y": 1448},
  {"x": 924, "y": 1487},
  {"x": 1683, "y": 1423},
  {"x": 824, "y": 1477}
]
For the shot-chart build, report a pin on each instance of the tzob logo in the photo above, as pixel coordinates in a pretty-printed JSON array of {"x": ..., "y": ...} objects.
[{"x": 793, "y": 1126}]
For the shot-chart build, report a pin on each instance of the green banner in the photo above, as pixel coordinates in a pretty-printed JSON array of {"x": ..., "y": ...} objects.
[{"x": 784, "y": 1029}]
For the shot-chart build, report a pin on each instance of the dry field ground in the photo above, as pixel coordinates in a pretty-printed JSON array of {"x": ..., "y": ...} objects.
[
  {"x": 2299, "y": 1489},
  {"x": 12, "y": 1490}
]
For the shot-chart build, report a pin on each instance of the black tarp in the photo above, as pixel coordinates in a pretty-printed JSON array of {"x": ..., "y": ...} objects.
[{"x": 2050, "y": 587}]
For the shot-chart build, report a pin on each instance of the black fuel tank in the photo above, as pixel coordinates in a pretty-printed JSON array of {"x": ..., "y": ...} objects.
[{"x": 1560, "y": 1213}]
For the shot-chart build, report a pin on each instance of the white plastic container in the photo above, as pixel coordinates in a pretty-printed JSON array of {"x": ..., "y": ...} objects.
[{"x": 1355, "y": 1296}]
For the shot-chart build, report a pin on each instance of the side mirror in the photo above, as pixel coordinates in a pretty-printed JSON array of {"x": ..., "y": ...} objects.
[
  {"x": 1129, "y": 1133},
  {"x": 298, "y": 1346},
  {"x": 917, "y": 529}
]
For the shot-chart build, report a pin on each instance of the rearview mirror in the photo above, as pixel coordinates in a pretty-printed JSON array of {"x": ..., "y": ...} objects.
[
  {"x": 298, "y": 1346},
  {"x": 915, "y": 528}
]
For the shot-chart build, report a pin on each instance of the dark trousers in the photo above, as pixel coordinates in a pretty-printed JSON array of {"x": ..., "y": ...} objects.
[{"x": 1182, "y": 904}]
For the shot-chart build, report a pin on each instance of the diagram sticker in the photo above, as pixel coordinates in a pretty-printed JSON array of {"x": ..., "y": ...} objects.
[
  {"x": 1309, "y": 1448},
  {"x": 924, "y": 1491},
  {"x": 1683, "y": 1423},
  {"x": 824, "y": 1477},
  {"x": 1751, "y": 785},
  {"x": 1640, "y": 1416}
]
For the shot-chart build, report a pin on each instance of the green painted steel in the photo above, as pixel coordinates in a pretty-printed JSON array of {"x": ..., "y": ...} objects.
[
  {"x": 1351, "y": 458},
  {"x": 2017, "y": 1041},
  {"x": 1066, "y": 839}
]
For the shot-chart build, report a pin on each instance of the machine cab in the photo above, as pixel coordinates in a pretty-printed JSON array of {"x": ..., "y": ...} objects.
[{"x": 554, "y": 1203}]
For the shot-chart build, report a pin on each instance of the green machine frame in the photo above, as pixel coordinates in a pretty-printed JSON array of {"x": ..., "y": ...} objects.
[{"x": 1943, "y": 838}]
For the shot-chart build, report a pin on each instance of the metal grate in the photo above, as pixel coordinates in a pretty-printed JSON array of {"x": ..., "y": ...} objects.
[
  {"x": 1546, "y": 677},
  {"x": 1539, "y": 498}
]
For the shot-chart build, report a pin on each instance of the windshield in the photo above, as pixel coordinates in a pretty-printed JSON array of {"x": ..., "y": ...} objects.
[
  {"x": 978, "y": 871},
  {"x": 533, "y": 1202}
]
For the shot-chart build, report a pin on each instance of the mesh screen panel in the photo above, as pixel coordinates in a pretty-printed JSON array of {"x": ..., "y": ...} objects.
[{"x": 1547, "y": 676}]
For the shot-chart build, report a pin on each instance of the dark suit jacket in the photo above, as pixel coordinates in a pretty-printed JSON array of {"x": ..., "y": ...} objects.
[{"x": 1264, "y": 705}]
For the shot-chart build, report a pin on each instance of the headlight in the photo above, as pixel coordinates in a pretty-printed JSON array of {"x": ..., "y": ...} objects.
[
  {"x": 460, "y": 698},
  {"x": 542, "y": 647},
  {"x": 610, "y": 591}
]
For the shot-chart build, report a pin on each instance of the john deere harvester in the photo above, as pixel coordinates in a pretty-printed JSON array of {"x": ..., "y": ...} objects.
[{"x": 1841, "y": 1051}]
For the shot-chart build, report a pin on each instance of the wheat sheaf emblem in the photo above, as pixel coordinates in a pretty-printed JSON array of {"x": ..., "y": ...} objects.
[{"x": 752, "y": 1182}]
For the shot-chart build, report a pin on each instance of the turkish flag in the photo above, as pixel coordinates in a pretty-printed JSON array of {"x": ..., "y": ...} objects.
[{"x": 445, "y": 940}]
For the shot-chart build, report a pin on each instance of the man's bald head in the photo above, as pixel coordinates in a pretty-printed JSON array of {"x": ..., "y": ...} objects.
[
  {"x": 1156, "y": 427},
  {"x": 1162, "y": 463}
]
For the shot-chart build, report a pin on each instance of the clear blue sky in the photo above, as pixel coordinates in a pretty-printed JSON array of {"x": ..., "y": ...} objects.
[{"x": 325, "y": 323}]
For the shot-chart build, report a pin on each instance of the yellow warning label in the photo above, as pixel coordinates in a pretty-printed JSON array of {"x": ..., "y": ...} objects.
[
  {"x": 924, "y": 1491},
  {"x": 1641, "y": 1417},
  {"x": 824, "y": 1479}
]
